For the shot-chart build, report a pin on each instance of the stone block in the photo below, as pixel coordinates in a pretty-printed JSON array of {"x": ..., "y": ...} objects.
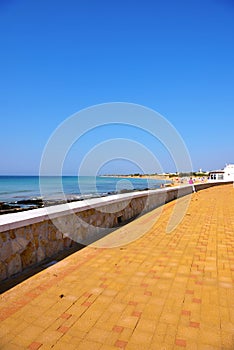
[
  {"x": 16, "y": 247},
  {"x": 13, "y": 264},
  {"x": 58, "y": 224},
  {"x": 20, "y": 232},
  {"x": 6, "y": 250},
  {"x": 22, "y": 241},
  {"x": 3, "y": 271},
  {"x": 67, "y": 242},
  {"x": 1, "y": 241},
  {"x": 52, "y": 235},
  {"x": 36, "y": 242},
  {"x": 41, "y": 230},
  {"x": 40, "y": 254},
  {"x": 28, "y": 256},
  {"x": 60, "y": 245},
  {"x": 4, "y": 236},
  {"x": 12, "y": 234},
  {"x": 28, "y": 232},
  {"x": 53, "y": 247}
]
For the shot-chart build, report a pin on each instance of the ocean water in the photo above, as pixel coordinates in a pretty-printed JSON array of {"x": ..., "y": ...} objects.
[{"x": 15, "y": 188}]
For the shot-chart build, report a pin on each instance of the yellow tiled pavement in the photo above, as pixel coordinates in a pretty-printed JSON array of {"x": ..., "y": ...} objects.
[{"x": 159, "y": 292}]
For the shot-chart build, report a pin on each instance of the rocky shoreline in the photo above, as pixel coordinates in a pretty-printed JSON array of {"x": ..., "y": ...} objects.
[
  {"x": 21, "y": 205},
  {"x": 35, "y": 203}
]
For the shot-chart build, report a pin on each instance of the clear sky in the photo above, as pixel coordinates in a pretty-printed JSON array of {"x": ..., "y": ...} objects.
[{"x": 58, "y": 57}]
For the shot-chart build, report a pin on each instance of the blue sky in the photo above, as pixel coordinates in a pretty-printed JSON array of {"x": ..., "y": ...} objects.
[{"x": 58, "y": 57}]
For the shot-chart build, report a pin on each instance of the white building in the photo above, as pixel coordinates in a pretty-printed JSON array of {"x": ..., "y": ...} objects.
[{"x": 226, "y": 174}]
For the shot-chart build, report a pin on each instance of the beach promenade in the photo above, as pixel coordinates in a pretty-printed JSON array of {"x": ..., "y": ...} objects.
[{"x": 159, "y": 292}]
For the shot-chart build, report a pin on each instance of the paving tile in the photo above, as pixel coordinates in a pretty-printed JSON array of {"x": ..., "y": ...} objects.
[
  {"x": 141, "y": 337},
  {"x": 107, "y": 347},
  {"x": 48, "y": 337},
  {"x": 118, "y": 329},
  {"x": 134, "y": 346},
  {"x": 64, "y": 346},
  {"x": 97, "y": 335},
  {"x": 121, "y": 344},
  {"x": 35, "y": 346},
  {"x": 84, "y": 345},
  {"x": 10, "y": 346},
  {"x": 146, "y": 325},
  {"x": 181, "y": 342}
]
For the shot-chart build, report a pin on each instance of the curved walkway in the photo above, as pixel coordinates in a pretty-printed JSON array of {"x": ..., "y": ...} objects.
[{"x": 159, "y": 292}]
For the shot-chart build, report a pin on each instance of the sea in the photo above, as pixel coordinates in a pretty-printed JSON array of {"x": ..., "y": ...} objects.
[{"x": 20, "y": 188}]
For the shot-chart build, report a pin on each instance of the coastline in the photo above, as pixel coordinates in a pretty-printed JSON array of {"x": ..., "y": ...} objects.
[
  {"x": 139, "y": 176},
  {"x": 23, "y": 193},
  {"x": 35, "y": 200},
  {"x": 173, "y": 178}
]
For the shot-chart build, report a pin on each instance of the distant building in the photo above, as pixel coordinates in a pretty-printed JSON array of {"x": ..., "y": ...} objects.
[{"x": 226, "y": 174}]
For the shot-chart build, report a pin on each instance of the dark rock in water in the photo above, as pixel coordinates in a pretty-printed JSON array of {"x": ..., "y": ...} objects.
[
  {"x": 37, "y": 201},
  {"x": 124, "y": 190},
  {"x": 7, "y": 208}
]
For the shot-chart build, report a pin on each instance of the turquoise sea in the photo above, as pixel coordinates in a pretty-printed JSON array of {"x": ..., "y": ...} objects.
[{"x": 15, "y": 188}]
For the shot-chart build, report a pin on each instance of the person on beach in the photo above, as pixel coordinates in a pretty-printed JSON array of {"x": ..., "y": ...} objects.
[{"x": 191, "y": 183}]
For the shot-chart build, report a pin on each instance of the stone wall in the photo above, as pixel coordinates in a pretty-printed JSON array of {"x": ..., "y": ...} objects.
[{"x": 28, "y": 238}]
